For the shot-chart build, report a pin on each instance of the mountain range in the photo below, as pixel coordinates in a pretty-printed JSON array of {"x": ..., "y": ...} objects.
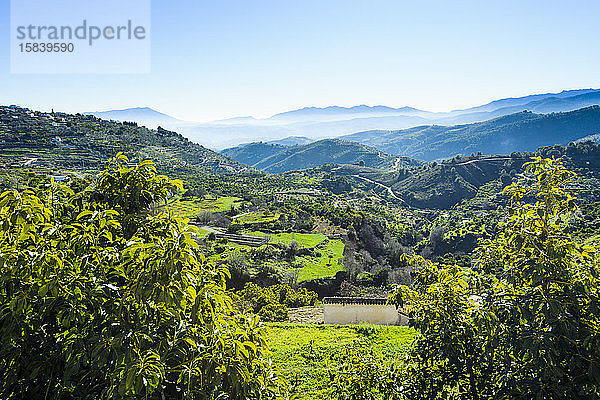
[
  {"x": 61, "y": 142},
  {"x": 522, "y": 131},
  {"x": 334, "y": 121},
  {"x": 142, "y": 115}
]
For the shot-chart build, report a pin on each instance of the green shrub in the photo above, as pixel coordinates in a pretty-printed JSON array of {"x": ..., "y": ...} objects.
[
  {"x": 101, "y": 299},
  {"x": 359, "y": 372},
  {"x": 274, "y": 312},
  {"x": 276, "y": 297},
  {"x": 524, "y": 323}
]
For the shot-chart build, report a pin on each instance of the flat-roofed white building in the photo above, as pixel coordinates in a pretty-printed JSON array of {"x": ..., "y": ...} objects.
[{"x": 361, "y": 310}]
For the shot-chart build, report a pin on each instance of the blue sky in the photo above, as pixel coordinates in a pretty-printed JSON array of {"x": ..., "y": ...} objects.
[{"x": 220, "y": 59}]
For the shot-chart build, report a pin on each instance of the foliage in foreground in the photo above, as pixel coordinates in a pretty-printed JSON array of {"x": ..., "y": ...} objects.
[
  {"x": 99, "y": 298},
  {"x": 525, "y": 321},
  {"x": 363, "y": 373},
  {"x": 316, "y": 360}
]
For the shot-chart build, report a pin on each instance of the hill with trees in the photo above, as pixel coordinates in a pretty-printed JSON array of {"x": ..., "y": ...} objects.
[
  {"x": 443, "y": 184},
  {"x": 85, "y": 141},
  {"x": 275, "y": 158},
  {"x": 253, "y": 153}
]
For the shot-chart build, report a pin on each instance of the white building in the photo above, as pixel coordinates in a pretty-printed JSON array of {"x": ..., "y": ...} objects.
[{"x": 361, "y": 310}]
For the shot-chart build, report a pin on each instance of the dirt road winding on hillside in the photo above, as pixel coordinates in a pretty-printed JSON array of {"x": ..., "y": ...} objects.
[{"x": 389, "y": 189}]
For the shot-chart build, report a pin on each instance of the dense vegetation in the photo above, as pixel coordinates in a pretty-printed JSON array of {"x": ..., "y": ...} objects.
[
  {"x": 271, "y": 303},
  {"x": 313, "y": 357},
  {"x": 523, "y": 322},
  {"x": 102, "y": 298}
]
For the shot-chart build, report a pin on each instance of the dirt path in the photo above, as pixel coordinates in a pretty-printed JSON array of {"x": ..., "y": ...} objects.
[
  {"x": 30, "y": 160},
  {"x": 241, "y": 215},
  {"x": 484, "y": 159},
  {"x": 389, "y": 189},
  {"x": 211, "y": 228}
]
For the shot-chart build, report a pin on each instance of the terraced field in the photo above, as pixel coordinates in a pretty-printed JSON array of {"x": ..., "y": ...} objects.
[
  {"x": 255, "y": 218},
  {"x": 190, "y": 208},
  {"x": 330, "y": 253}
]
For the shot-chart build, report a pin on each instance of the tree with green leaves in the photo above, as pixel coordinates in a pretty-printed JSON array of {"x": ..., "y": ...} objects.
[
  {"x": 524, "y": 321},
  {"x": 104, "y": 296}
]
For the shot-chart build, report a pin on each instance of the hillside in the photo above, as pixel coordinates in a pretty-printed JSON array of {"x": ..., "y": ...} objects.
[
  {"x": 275, "y": 158},
  {"x": 523, "y": 131},
  {"x": 59, "y": 140},
  {"x": 445, "y": 184},
  {"x": 292, "y": 141},
  {"x": 253, "y": 153}
]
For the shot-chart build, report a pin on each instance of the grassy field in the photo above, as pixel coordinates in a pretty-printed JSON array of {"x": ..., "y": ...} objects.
[
  {"x": 330, "y": 262},
  {"x": 331, "y": 250},
  {"x": 303, "y": 239},
  {"x": 255, "y": 218},
  {"x": 202, "y": 232},
  {"x": 190, "y": 208},
  {"x": 304, "y": 353},
  {"x": 332, "y": 254}
]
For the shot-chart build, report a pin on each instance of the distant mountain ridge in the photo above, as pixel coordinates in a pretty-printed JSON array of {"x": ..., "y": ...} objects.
[
  {"x": 523, "y": 131},
  {"x": 331, "y": 112},
  {"x": 142, "y": 115},
  {"x": 523, "y": 100},
  {"x": 317, "y": 123}
]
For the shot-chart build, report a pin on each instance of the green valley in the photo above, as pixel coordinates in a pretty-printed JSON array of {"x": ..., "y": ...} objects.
[{"x": 327, "y": 218}]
